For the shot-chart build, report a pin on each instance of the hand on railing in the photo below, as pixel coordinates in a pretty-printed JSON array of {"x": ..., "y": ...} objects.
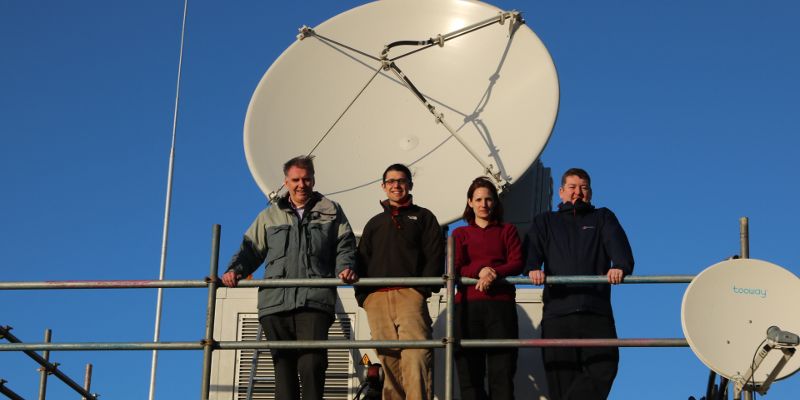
[
  {"x": 614, "y": 276},
  {"x": 486, "y": 276},
  {"x": 348, "y": 276},
  {"x": 537, "y": 277},
  {"x": 231, "y": 279}
]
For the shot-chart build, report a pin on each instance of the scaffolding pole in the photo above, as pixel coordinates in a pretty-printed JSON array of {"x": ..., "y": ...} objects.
[
  {"x": 649, "y": 342},
  {"x": 744, "y": 237},
  {"x": 48, "y": 334},
  {"x": 8, "y": 392},
  {"x": 450, "y": 339},
  {"x": 208, "y": 341},
  {"x": 329, "y": 282},
  {"x": 87, "y": 379},
  {"x": 344, "y": 344},
  {"x": 30, "y": 351}
]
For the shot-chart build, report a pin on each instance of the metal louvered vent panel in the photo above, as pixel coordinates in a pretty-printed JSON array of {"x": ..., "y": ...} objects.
[{"x": 337, "y": 377}]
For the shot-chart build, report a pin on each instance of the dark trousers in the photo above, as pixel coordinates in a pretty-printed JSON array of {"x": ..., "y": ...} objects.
[
  {"x": 580, "y": 373},
  {"x": 486, "y": 320},
  {"x": 309, "y": 364}
]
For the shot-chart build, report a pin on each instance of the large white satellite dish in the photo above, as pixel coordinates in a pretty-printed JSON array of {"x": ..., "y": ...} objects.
[
  {"x": 727, "y": 310},
  {"x": 336, "y": 93}
]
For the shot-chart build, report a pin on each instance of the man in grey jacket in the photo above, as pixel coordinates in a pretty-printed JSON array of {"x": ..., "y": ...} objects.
[{"x": 300, "y": 235}]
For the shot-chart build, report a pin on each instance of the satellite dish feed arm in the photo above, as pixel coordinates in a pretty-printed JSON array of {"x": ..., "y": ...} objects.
[
  {"x": 489, "y": 169},
  {"x": 514, "y": 16},
  {"x": 388, "y": 64},
  {"x": 776, "y": 339},
  {"x": 305, "y": 32}
]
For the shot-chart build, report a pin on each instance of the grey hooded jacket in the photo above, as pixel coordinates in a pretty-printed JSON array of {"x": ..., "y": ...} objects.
[{"x": 320, "y": 245}]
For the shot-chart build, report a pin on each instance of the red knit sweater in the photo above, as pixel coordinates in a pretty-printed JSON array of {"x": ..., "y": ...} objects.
[{"x": 497, "y": 246}]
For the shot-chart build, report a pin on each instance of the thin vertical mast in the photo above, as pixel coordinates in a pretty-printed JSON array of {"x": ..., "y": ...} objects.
[{"x": 167, "y": 207}]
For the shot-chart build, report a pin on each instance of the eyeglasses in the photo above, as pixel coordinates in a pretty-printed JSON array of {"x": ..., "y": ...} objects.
[{"x": 391, "y": 182}]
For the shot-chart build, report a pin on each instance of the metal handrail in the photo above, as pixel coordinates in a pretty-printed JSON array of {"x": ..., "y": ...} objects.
[
  {"x": 329, "y": 282},
  {"x": 344, "y": 344},
  {"x": 448, "y": 280}
]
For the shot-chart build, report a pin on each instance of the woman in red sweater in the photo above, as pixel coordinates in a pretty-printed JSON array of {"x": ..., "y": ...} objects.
[{"x": 486, "y": 249}]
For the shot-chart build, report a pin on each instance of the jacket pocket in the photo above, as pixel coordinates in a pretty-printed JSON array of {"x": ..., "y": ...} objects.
[
  {"x": 277, "y": 242},
  {"x": 275, "y": 267},
  {"x": 270, "y": 297},
  {"x": 321, "y": 242}
]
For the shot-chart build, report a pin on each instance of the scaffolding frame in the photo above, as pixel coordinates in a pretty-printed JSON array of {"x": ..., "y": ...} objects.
[
  {"x": 48, "y": 368},
  {"x": 208, "y": 345}
]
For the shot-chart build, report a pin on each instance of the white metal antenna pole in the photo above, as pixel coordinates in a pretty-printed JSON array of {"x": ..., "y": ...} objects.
[{"x": 165, "y": 234}]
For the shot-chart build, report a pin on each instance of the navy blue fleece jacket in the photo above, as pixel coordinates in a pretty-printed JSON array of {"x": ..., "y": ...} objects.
[{"x": 577, "y": 239}]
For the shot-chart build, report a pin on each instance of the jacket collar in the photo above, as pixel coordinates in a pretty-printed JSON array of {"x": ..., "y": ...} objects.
[
  {"x": 580, "y": 207},
  {"x": 285, "y": 205},
  {"x": 395, "y": 209}
]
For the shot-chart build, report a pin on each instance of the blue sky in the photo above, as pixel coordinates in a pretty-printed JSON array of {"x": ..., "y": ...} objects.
[{"x": 684, "y": 112}]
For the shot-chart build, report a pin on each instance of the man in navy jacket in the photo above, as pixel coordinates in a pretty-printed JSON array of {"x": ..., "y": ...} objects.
[{"x": 578, "y": 239}]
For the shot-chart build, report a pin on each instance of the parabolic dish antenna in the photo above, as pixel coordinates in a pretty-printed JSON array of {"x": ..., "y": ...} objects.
[
  {"x": 727, "y": 310},
  {"x": 463, "y": 88}
]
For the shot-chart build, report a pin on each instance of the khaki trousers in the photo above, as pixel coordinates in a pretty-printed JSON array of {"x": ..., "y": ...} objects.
[{"x": 402, "y": 314}]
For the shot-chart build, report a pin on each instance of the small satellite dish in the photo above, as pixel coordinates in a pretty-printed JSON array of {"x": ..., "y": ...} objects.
[
  {"x": 462, "y": 87},
  {"x": 727, "y": 310}
]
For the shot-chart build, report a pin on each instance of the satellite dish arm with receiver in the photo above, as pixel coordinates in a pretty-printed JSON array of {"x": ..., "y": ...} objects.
[
  {"x": 776, "y": 335},
  {"x": 489, "y": 169},
  {"x": 776, "y": 339},
  {"x": 514, "y": 16},
  {"x": 390, "y": 65}
]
